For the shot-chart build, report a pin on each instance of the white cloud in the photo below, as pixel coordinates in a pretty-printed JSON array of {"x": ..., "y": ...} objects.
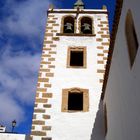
[
  {"x": 18, "y": 72},
  {"x": 18, "y": 78},
  {"x": 10, "y": 110},
  {"x": 27, "y": 18}
]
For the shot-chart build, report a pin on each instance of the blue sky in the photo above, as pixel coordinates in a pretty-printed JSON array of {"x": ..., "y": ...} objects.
[{"x": 22, "y": 26}]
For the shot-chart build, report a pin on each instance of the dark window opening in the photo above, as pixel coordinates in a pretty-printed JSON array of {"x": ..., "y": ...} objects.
[
  {"x": 135, "y": 38},
  {"x": 131, "y": 37},
  {"x": 75, "y": 101},
  {"x": 69, "y": 25},
  {"x": 76, "y": 58},
  {"x": 86, "y": 25}
]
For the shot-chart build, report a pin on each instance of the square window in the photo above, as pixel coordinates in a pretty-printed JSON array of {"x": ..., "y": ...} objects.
[
  {"x": 75, "y": 101},
  {"x": 76, "y": 57}
]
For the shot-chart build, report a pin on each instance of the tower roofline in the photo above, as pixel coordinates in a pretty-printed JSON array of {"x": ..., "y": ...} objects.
[
  {"x": 79, "y": 4},
  {"x": 87, "y": 11}
]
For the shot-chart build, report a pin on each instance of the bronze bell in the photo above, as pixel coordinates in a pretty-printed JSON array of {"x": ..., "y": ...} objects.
[
  {"x": 68, "y": 27},
  {"x": 86, "y": 28}
]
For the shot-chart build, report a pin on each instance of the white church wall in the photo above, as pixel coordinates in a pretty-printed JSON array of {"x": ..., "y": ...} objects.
[
  {"x": 77, "y": 125},
  {"x": 8, "y": 136},
  {"x": 122, "y": 96}
]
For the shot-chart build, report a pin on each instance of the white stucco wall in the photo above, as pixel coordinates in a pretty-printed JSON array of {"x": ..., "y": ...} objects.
[
  {"x": 78, "y": 125},
  {"x": 74, "y": 125},
  {"x": 122, "y": 96},
  {"x": 6, "y": 136}
]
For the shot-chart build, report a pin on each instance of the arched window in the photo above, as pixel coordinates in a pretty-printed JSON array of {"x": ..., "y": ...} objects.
[
  {"x": 131, "y": 37},
  {"x": 68, "y": 25},
  {"x": 86, "y": 25}
]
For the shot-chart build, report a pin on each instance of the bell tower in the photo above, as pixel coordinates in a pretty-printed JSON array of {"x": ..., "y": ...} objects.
[{"x": 71, "y": 74}]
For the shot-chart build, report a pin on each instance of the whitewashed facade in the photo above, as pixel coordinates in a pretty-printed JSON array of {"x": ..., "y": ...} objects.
[
  {"x": 51, "y": 120},
  {"x": 122, "y": 96}
]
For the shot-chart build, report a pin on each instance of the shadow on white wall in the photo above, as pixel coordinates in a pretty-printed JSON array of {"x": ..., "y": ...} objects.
[{"x": 98, "y": 126}]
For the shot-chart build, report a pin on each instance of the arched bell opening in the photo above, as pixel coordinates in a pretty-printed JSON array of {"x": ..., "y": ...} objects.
[
  {"x": 86, "y": 25},
  {"x": 68, "y": 25}
]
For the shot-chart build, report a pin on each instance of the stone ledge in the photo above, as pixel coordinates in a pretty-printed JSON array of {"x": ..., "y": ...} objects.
[
  {"x": 100, "y": 47},
  {"x": 46, "y": 116},
  {"x": 80, "y": 12},
  {"x": 47, "y": 95},
  {"x": 47, "y": 105},
  {"x": 38, "y": 133},
  {"x": 74, "y": 34},
  {"x": 48, "y": 138},
  {"x": 44, "y": 70},
  {"x": 38, "y": 122},
  {"x": 48, "y": 128},
  {"x": 41, "y": 89},
  {"x": 40, "y": 100},
  {"x": 43, "y": 80},
  {"x": 100, "y": 62},
  {"x": 39, "y": 110},
  {"x": 100, "y": 71}
]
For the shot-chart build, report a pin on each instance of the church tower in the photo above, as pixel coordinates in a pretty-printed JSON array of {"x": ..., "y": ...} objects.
[{"x": 71, "y": 74}]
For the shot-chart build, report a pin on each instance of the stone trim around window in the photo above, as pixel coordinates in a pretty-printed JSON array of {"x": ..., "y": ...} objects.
[
  {"x": 65, "y": 95},
  {"x": 83, "y": 49}
]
